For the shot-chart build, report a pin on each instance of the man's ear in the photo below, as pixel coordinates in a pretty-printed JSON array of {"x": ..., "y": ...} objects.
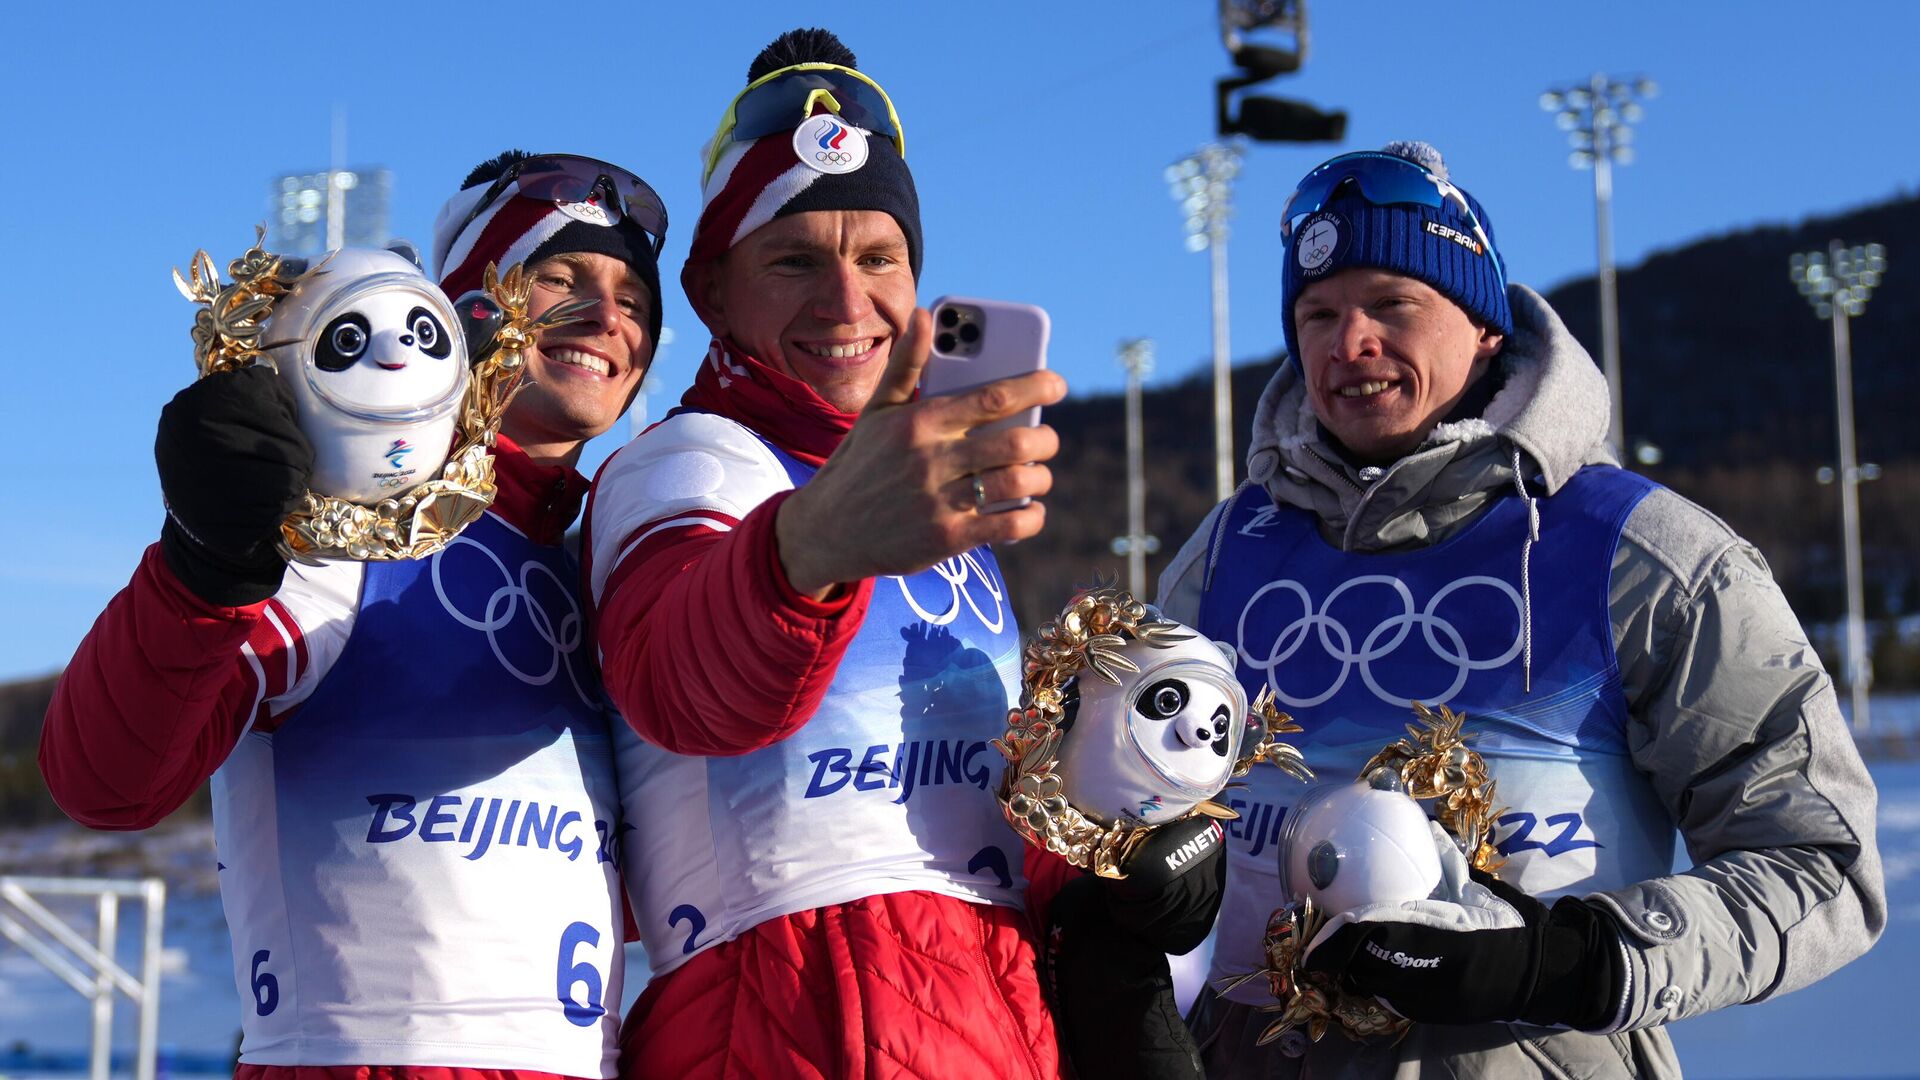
[
  {"x": 703, "y": 281},
  {"x": 1490, "y": 343}
]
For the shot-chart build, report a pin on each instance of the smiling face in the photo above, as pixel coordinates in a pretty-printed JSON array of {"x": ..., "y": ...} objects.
[
  {"x": 819, "y": 295},
  {"x": 584, "y": 374},
  {"x": 1386, "y": 357}
]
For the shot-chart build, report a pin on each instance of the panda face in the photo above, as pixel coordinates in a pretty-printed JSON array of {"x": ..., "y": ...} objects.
[
  {"x": 1184, "y": 722},
  {"x": 385, "y": 351},
  {"x": 1168, "y": 700}
]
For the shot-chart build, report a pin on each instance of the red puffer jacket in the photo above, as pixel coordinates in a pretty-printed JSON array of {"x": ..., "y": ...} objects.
[{"x": 902, "y": 985}]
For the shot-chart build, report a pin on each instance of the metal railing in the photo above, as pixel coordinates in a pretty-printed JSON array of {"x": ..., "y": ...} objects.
[{"x": 89, "y": 967}]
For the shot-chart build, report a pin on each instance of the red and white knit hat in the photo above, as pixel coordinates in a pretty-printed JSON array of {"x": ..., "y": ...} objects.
[
  {"x": 756, "y": 181},
  {"x": 516, "y": 228}
]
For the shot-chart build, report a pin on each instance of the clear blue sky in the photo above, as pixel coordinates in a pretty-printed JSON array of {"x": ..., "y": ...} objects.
[{"x": 1037, "y": 133}]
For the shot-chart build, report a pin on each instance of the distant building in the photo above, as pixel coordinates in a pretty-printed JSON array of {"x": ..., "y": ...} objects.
[{"x": 297, "y": 210}]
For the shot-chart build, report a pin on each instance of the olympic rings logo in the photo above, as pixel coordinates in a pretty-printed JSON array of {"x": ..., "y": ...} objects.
[
  {"x": 832, "y": 157},
  {"x": 959, "y": 573},
  {"x": 563, "y": 638},
  {"x": 1442, "y": 638}
]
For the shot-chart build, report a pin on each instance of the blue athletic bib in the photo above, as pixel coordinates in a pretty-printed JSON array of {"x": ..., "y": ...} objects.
[{"x": 1349, "y": 641}]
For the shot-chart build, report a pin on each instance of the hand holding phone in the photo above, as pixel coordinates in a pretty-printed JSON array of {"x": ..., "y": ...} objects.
[{"x": 976, "y": 342}]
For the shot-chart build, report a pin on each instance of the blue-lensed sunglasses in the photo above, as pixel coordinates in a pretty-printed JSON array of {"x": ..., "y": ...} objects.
[{"x": 1383, "y": 179}]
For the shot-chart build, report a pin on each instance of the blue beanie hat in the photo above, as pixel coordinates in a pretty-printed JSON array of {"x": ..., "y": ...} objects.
[{"x": 1437, "y": 245}]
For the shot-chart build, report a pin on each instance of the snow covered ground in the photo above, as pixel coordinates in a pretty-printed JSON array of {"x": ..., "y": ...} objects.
[{"x": 1854, "y": 1025}]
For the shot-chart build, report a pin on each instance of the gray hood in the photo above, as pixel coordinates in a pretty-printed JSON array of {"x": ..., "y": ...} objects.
[{"x": 1553, "y": 410}]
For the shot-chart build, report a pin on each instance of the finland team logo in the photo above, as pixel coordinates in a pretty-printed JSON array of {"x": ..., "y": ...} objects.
[{"x": 1320, "y": 239}]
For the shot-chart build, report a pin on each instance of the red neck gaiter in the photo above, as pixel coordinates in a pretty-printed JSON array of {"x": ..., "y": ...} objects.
[{"x": 774, "y": 404}]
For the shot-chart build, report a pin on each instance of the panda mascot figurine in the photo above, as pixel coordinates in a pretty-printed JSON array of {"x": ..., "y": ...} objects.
[
  {"x": 1345, "y": 845},
  {"x": 1130, "y": 726},
  {"x": 377, "y": 362},
  {"x": 1149, "y": 748}
]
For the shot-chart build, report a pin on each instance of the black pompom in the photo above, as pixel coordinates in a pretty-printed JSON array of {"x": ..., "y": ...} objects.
[
  {"x": 813, "y": 46},
  {"x": 490, "y": 169}
]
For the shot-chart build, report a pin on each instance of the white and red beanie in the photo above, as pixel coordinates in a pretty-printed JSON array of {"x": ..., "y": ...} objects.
[
  {"x": 516, "y": 228},
  {"x": 757, "y": 181}
]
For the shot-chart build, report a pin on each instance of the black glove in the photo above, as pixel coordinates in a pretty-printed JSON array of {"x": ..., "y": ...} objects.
[
  {"x": 233, "y": 464},
  {"x": 1174, "y": 885},
  {"x": 1472, "y": 965},
  {"x": 1105, "y": 964},
  {"x": 1112, "y": 993}
]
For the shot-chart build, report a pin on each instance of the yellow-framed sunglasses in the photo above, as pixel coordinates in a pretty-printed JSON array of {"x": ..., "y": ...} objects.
[{"x": 780, "y": 100}]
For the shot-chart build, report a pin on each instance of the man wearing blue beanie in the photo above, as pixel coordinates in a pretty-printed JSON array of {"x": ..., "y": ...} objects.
[{"x": 1432, "y": 515}]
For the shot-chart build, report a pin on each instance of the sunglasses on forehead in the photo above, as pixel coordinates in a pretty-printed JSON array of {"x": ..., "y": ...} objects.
[
  {"x": 564, "y": 179},
  {"x": 778, "y": 101},
  {"x": 1383, "y": 179}
]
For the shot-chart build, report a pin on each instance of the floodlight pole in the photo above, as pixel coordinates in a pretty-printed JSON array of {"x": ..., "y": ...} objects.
[
  {"x": 1222, "y": 359},
  {"x": 1595, "y": 115},
  {"x": 1203, "y": 183},
  {"x": 1837, "y": 282},
  {"x": 1609, "y": 284},
  {"x": 1859, "y": 662},
  {"x": 1136, "y": 356}
]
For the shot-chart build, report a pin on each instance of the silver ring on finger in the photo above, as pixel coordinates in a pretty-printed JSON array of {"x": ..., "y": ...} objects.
[{"x": 979, "y": 493}]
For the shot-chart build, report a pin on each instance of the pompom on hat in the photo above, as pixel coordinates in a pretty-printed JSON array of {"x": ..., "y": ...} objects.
[
  {"x": 1449, "y": 245},
  {"x": 824, "y": 161}
]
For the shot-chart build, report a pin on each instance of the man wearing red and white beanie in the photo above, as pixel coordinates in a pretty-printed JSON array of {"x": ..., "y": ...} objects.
[
  {"x": 584, "y": 229},
  {"x": 799, "y": 616},
  {"x": 411, "y": 761}
]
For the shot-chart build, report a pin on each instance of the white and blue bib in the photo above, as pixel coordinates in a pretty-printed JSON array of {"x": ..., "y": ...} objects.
[
  {"x": 887, "y": 788},
  {"x": 418, "y": 865}
]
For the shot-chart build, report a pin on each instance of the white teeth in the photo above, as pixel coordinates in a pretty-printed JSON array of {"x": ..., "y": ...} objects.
[
  {"x": 840, "y": 352},
  {"x": 1365, "y": 389},
  {"x": 579, "y": 359}
]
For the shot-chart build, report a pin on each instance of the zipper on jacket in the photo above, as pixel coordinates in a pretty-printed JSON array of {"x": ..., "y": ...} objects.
[{"x": 1365, "y": 493}]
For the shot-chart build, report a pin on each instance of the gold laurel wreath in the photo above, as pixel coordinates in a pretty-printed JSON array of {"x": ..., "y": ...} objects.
[
  {"x": 1087, "y": 637},
  {"x": 1435, "y": 764},
  {"x": 227, "y": 335}
]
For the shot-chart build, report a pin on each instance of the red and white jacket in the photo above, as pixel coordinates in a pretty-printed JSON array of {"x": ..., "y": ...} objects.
[
  {"x": 166, "y": 690},
  {"x": 827, "y": 939}
]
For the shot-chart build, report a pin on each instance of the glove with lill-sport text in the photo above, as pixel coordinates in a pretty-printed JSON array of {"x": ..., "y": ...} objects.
[{"x": 1479, "y": 951}]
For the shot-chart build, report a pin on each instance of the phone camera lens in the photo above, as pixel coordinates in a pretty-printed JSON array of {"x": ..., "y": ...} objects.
[
  {"x": 948, "y": 317},
  {"x": 944, "y": 343},
  {"x": 969, "y": 333}
]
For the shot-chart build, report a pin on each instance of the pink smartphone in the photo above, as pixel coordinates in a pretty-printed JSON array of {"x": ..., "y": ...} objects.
[{"x": 976, "y": 342}]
